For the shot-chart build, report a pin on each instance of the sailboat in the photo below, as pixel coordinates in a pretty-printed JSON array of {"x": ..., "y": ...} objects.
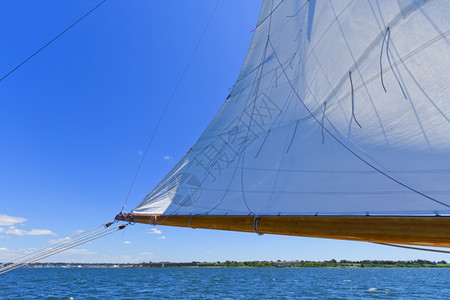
[{"x": 338, "y": 126}]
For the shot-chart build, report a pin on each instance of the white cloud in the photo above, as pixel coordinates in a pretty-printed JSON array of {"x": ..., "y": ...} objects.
[
  {"x": 11, "y": 222},
  {"x": 6, "y": 220},
  {"x": 168, "y": 157},
  {"x": 154, "y": 231},
  {"x": 127, "y": 242},
  {"x": 20, "y": 232},
  {"x": 161, "y": 237}
]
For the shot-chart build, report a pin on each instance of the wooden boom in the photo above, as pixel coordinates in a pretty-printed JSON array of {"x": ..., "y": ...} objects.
[{"x": 423, "y": 231}]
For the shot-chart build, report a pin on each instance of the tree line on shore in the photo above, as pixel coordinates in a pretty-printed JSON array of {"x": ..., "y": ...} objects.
[
  {"x": 331, "y": 263},
  {"x": 419, "y": 263}
]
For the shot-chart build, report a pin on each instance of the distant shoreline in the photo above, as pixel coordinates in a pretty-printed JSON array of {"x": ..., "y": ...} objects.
[{"x": 255, "y": 264}]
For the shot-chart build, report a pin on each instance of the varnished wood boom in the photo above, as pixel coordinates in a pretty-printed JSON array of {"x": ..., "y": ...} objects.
[{"x": 423, "y": 231}]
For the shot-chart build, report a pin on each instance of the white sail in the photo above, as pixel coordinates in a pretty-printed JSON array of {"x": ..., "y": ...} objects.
[{"x": 341, "y": 107}]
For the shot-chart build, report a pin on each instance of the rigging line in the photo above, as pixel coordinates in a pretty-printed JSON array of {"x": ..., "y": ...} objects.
[
  {"x": 52, "y": 40},
  {"x": 65, "y": 249},
  {"x": 413, "y": 248},
  {"x": 52, "y": 245},
  {"x": 65, "y": 246},
  {"x": 353, "y": 99},
  {"x": 345, "y": 146},
  {"x": 59, "y": 249},
  {"x": 63, "y": 243},
  {"x": 168, "y": 103},
  {"x": 388, "y": 32}
]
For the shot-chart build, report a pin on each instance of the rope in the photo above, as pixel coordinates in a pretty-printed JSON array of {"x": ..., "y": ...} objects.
[
  {"x": 255, "y": 225},
  {"x": 353, "y": 99},
  {"x": 167, "y": 105},
  {"x": 414, "y": 248},
  {"x": 64, "y": 245},
  {"x": 52, "y": 40},
  {"x": 388, "y": 32}
]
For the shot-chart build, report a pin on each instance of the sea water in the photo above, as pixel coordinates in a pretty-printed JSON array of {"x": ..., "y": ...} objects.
[{"x": 226, "y": 283}]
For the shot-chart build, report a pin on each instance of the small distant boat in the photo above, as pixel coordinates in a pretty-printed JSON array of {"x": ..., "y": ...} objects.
[{"x": 337, "y": 127}]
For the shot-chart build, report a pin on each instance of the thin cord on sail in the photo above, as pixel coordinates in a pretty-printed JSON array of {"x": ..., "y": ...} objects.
[
  {"x": 260, "y": 148},
  {"x": 353, "y": 99},
  {"x": 168, "y": 103},
  {"x": 413, "y": 248},
  {"x": 345, "y": 146},
  {"x": 270, "y": 14},
  {"x": 293, "y": 136},
  {"x": 52, "y": 40},
  {"x": 388, "y": 31},
  {"x": 307, "y": 1},
  {"x": 381, "y": 60},
  {"x": 323, "y": 120}
]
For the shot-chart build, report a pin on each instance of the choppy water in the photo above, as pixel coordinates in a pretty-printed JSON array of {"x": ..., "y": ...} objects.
[{"x": 227, "y": 283}]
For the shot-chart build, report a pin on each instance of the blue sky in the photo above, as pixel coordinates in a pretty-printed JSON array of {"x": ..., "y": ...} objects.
[{"x": 75, "y": 120}]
